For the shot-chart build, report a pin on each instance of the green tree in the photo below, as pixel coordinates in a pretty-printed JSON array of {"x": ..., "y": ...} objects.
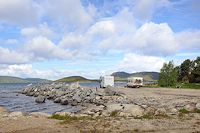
[
  {"x": 168, "y": 75},
  {"x": 195, "y": 73},
  {"x": 185, "y": 71}
]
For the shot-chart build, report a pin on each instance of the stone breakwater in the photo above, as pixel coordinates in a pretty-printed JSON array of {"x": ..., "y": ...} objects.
[{"x": 106, "y": 102}]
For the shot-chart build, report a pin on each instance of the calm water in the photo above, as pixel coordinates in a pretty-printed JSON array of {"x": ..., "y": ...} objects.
[{"x": 18, "y": 102}]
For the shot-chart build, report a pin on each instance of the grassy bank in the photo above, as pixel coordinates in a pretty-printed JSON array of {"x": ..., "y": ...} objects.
[
  {"x": 181, "y": 85},
  {"x": 190, "y": 85}
]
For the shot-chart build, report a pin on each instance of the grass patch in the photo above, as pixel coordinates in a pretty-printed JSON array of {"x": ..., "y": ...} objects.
[
  {"x": 114, "y": 113},
  {"x": 58, "y": 117},
  {"x": 190, "y": 85},
  {"x": 149, "y": 116},
  {"x": 184, "y": 111},
  {"x": 68, "y": 118},
  {"x": 197, "y": 110}
]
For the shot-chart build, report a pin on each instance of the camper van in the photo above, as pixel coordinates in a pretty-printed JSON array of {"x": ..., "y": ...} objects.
[
  {"x": 106, "y": 81},
  {"x": 135, "y": 82}
]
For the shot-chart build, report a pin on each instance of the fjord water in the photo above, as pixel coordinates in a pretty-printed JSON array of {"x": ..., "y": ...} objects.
[{"x": 12, "y": 101}]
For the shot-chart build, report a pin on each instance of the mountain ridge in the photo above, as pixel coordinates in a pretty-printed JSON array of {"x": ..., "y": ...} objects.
[
  {"x": 74, "y": 79},
  {"x": 148, "y": 76},
  {"x": 13, "y": 79}
]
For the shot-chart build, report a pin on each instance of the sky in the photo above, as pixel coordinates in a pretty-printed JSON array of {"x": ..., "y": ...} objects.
[{"x": 58, "y": 38}]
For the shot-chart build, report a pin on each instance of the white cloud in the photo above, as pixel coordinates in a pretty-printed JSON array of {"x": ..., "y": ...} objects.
[
  {"x": 8, "y": 56},
  {"x": 74, "y": 41},
  {"x": 41, "y": 48},
  {"x": 144, "y": 9},
  {"x": 27, "y": 71},
  {"x": 149, "y": 39},
  {"x": 189, "y": 40},
  {"x": 154, "y": 39},
  {"x": 68, "y": 13},
  {"x": 136, "y": 63},
  {"x": 102, "y": 28},
  {"x": 19, "y": 11},
  {"x": 41, "y": 30}
]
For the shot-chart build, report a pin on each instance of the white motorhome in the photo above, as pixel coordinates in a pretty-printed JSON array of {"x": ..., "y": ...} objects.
[
  {"x": 135, "y": 82},
  {"x": 106, "y": 81}
]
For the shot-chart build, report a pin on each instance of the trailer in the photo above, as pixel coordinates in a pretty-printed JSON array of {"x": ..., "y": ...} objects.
[
  {"x": 106, "y": 81},
  {"x": 135, "y": 82}
]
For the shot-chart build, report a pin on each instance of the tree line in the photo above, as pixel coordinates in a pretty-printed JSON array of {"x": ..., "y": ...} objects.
[{"x": 187, "y": 72}]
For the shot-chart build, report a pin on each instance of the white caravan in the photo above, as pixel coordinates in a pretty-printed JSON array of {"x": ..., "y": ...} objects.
[
  {"x": 135, "y": 82},
  {"x": 106, "y": 81}
]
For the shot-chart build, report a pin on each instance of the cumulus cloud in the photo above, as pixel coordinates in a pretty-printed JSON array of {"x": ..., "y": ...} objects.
[
  {"x": 149, "y": 39},
  {"x": 189, "y": 40},
  {"x": 41, "y": 30},
  {"x": 68, "y": 12},
  {"x": 27, "y": 71},
  {"x": 73, "y": 41},
  {"x": 8, "y": 56},
  {"x": 41, "y": 48},
  {"x": 19, "y": 11},
  {"x": 144, "y": 9},
  {"x": 136, "y": 63}
]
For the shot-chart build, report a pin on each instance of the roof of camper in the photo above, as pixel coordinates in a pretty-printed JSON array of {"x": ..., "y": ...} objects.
[{"x": 135, "y": 78}]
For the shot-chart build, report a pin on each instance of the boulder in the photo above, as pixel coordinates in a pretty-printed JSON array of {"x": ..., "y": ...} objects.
[
  {"x": 57, "y": 100},
  {"x": 114, "y": 107},
  {"x": 160, "y": 112},
  {"x": 173, "y": 111},
  {"x": 64, "y": 113},
  {"x": 150, "y": 110},
  {"x": 198, "y": 106},
  {"x": 77, "y": 98},
  {"x": 39, "y": 114},
  {"x": 40, "y": 99},
  {"x": 109, "y": 92},
  {"x": 133, "y": 110},
  {"x": 64, "y": 101},
  {"x": 16, "y": 114},
  {"x": 190, "y": 107},
  {"x": 74, "y": 103}
]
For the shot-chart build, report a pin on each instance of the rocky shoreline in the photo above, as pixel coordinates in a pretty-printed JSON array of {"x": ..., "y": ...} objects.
[{"x": 105, "y": 102}]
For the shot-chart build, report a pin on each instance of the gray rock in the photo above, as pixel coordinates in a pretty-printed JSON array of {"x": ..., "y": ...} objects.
[
  {"x": 77, "y": 98},
  {"x": 160, "y": 112},
  {"x": 114, "y": 107},
  {"x": 190, "y": 107},
  {"x": 57, "y": 100},
  {"x": 16, "y": 114},
  {"x": 109, "y": 92},
  {"x": 198, "y": 105},
  {"x": 173, "y": 111},
  {"x": 133, "y": 110},
  {"x": 40, "y": 99},
  {"x": 64, "y": 101},
  {"x": 74, "y": 103}
]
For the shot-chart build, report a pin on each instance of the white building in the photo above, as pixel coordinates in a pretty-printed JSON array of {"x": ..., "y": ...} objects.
[
  {"x": 106, "y": 81},
  {"x": 135, "y": 82}
]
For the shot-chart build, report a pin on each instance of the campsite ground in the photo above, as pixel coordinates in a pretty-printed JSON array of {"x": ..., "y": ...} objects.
[{"x": 158, "y": 97}]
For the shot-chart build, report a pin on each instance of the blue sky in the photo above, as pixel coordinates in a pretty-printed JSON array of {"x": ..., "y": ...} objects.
[{"x": 53, "y": 39}]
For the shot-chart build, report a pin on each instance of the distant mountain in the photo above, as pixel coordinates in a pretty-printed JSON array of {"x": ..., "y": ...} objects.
[
  {"x": 148, "y": 76},
  {"x": 37, "y": 80},
  {"x": 9, "y": 79},
  {"x": 121, "y": 74},
  {"x": 74, "y": 79}
]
